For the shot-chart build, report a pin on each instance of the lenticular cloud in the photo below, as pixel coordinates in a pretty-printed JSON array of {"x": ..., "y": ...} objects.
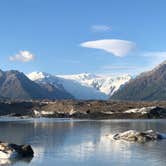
[{"x": 116, "y": 47}]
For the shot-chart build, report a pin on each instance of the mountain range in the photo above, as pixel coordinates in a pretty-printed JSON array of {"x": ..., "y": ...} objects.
[
  {"x": 39, "y": 85},
  {"x": 83, "y": 86},
  {"x": 147, "y": 86}
]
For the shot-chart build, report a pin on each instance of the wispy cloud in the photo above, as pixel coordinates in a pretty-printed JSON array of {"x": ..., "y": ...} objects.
[
  {"x": 116, "y": 47},
  {"x": 154, "y": 58},
  {"x": 101, "y": 28},
  {"x": 22, "y": 56},
  {"x": 144, "y": 61},
  {"x": 111, "y": 67},
  {"x": 157, "y": 54},
  {"x": 120, "y": 69}
]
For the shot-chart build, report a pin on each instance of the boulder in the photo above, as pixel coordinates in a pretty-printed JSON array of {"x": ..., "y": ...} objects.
[
  {"x": 13, "y": 151},
  {"x": 13, "y": 161},
  {"x": 137, "y": 136}
]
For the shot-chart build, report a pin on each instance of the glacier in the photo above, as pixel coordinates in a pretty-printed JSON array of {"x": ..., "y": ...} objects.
[{"x": 84, "y": 86}]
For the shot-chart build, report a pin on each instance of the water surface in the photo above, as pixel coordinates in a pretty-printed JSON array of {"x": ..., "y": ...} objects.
[{"x": 69, "y": 142}]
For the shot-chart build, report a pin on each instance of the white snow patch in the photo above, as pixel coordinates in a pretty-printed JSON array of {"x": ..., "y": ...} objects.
[{"x": 143, "y": 110}]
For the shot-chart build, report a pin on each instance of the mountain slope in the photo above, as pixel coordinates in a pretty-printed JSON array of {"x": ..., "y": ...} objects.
[
  {"x": 147, "y": 86},
  {"x": 82, "y": 86},
  {"x": 15, "y": 85}
]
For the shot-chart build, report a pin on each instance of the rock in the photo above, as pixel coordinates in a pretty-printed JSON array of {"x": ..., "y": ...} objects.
[
  {"x": 136, "y": 136},
  {"x": 143, "y": 110},
  {"x": 14, "y": 151},
  {"x": 157, "y": 112},
  {"x": 13, "y": 161},
  {"x": 151, "y": 112}
]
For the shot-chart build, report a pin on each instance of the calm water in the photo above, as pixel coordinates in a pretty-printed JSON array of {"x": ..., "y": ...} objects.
[{"x": 81, "y": 142}]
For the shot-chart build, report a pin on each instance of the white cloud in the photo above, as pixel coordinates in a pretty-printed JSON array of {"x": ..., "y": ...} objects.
[
  {"x": 22, "y": 56},
  {"x": 100, "y": 28},
  {"x": 116, "y": 47},
  {"x": 155, "y": 58},
  {"x": 157, "y": 54},
  {"x": 111, "y": 67}
]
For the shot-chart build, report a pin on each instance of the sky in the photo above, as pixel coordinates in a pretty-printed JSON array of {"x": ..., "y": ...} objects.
[{"x": 76, "y": 36}]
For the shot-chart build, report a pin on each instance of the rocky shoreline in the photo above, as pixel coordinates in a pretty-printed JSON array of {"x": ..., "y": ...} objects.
[{"x": 84, "y": 109}]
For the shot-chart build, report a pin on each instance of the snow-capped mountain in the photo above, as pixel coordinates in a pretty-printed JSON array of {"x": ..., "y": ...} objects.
[
  {"x": 85, "y": 85},
  {"x": 103, "y": 83},
  {"x": 15, "y": 85}
]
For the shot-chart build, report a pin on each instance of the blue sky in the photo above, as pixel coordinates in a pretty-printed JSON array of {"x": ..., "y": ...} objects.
[{"x": 66, "y": 37}]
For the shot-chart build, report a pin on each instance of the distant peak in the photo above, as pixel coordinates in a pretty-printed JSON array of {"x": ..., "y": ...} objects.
[
  {"x": 13, "y": 71},
  {"x": 87, "y": 75},
  {"x": 1, "y": 71},
  {"x": 161, "y": 65},
  {"x": 81, "y": 76}
]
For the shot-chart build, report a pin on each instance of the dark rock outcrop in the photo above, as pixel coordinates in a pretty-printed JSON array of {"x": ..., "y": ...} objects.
[
  {"x": 15, "y": 151},
  {"x": 150, "y": 112}
]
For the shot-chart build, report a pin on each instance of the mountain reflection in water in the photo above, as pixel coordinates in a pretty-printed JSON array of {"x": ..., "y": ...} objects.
[{"x": 81, "y": 142}]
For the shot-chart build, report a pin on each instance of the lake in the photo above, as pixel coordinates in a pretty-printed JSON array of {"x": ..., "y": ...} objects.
[{"x": 67, "y": 142}]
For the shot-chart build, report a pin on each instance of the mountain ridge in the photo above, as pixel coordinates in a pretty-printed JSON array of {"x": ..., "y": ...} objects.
[
  {"x": 147, "y": 86},
  {"x": 16, "y": 85}
]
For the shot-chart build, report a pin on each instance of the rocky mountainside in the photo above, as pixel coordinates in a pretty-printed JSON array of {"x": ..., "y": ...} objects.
[
  {"x": 147, "y": 86},
  {"x": 15, "y": 85},
  {"x": 83, "y": 86}
]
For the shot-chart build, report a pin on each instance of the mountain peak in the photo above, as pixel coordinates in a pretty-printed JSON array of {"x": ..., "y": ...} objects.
[
  {"x": 15, "y": 85},
  {"x": 81, "y": 76},
  {"x": 146, "y": 86},
  {"x": 161, "y": 65},
  {"x": 1, "y": 72}
]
